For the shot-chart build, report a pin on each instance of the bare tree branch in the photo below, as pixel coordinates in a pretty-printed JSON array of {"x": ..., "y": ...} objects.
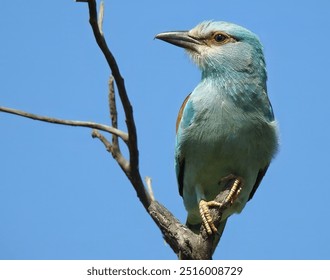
[
  {"x": 184, "y": 242},
  {"x": 92, "y": 125},
  {"x": 181, "y": 239},
  {"x": 133, "y": 174}
]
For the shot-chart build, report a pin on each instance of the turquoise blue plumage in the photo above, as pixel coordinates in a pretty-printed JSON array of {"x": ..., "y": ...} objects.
[{"x": 226, "y": 127}]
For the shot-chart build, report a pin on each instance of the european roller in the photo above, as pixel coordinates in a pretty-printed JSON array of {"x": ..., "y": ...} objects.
[{"x": 226, "y": 131}]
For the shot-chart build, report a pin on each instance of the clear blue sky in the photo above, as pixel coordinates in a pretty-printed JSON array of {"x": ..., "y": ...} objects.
[{"x": 61, "y": 194}]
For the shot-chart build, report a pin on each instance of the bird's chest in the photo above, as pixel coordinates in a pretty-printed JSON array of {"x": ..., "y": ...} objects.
[
  {"x": 223, "y": 139},
  {"x": 219, "y": 125}
]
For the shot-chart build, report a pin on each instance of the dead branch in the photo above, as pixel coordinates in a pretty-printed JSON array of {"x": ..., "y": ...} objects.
[
  {"x": 182, "y": 240},
  {"x": 105, "y": 128},
  {"x": 133, "y": 173},
  {"x": 186, "y": 244}
]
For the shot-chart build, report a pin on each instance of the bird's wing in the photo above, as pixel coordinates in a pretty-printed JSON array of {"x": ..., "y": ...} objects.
[
  {"x": 179, "y": 158},
  {"x": 179, "y": 166},
  {"x": 261, "y": 174},
  {"x": 180, "y": 114}
]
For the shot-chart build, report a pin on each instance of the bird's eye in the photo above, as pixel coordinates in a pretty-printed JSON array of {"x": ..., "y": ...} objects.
[{"x": 219, "y": 37}]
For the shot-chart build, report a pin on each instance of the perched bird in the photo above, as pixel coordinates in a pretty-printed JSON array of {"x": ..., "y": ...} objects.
[{"x": 226, "y": 131}]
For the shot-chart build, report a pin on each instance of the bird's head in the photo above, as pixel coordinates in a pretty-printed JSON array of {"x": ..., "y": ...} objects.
[{"x": 218, "y": 47}]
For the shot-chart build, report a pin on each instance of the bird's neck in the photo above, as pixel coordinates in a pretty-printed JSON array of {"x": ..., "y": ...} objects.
[
  {"x": 245, "y": 90},
  {"x": 223, "y": 77}
]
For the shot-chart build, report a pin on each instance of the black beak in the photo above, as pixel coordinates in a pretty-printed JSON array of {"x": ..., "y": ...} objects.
[{"x": 181, "y": 39}]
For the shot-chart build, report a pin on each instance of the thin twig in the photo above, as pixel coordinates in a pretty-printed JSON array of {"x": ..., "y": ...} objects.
[
  {"x": 92, "y": 125},
  {"x": 107, "y": 144},
  {"x": 149, "y": 186},
  {"x": 113, "y": 111},
  {"x": 123, "y": 163}
]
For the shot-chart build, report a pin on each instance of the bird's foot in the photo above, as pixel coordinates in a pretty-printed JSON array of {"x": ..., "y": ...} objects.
[
  {"x": 204, "y": 210},
  {"x": 204, "y": 206},
  {"x": 235, "y": 188}
]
